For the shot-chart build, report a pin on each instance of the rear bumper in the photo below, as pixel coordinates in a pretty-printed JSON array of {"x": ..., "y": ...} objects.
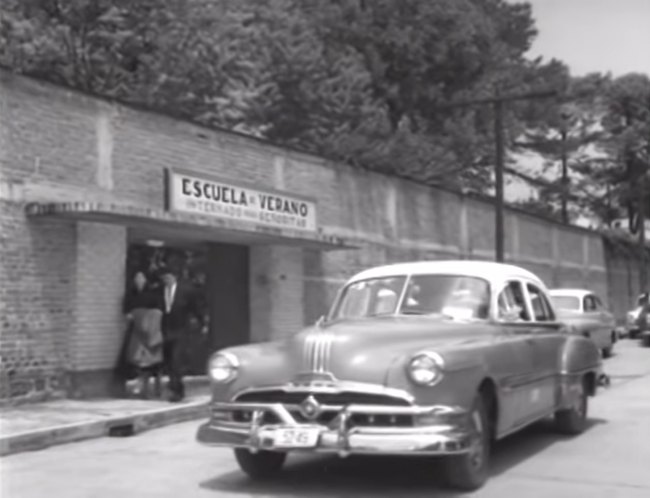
[{"x": 442, "y": 437}]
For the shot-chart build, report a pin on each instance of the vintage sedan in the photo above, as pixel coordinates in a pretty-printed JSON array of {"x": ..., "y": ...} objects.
[
  {"x": 585, "y": 314},
  {"x": 426, "y": 358}
]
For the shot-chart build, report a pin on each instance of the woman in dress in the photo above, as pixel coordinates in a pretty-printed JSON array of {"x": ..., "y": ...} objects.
[{"x": 144, "y": 335}]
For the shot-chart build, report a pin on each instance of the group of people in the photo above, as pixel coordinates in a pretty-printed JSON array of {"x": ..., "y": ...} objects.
[{"x": 159, "y": 311}]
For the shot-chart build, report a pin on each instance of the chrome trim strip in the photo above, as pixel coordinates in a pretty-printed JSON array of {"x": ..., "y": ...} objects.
[
  {"x": 317, "y": 350},
  {"x": 331, "y": 387},
  {"x": 321, "y": 342},
  {"x": 283, "y": 413},
  {"x": 593, "y": 368},
  {"x": 328, "y": 352}
]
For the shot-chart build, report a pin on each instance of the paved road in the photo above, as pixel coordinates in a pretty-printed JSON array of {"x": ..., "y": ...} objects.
[{"x": 610, "y": 460}]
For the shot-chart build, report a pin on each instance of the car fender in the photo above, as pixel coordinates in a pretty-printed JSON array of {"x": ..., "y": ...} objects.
[
  {"x": 579, "y": 354},
  {"x": 580, "y": 359},
  {"x": 463, "y": 373}
]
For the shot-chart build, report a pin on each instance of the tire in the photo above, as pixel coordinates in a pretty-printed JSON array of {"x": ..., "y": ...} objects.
[
  {"x": 573, "y": 421},
  {"x": 469, "y": 471},
  {"x": 260, "y": 466}
]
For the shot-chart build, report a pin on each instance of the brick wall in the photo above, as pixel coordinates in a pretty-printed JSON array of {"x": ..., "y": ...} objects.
[
  {"x": 37, "y": 290},
  {"x": 59, "y": 145}
]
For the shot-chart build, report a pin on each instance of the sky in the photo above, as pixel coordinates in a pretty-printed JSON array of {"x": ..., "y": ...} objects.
[{"x": 593, "y": 35}]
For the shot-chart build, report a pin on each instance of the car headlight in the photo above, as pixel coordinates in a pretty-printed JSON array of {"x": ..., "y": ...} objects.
[
  {"x": 425, "y": 369},
  {"x": 223, "y": 367}
]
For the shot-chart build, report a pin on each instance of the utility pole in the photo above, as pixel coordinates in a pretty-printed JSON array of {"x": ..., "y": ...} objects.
[
  {"x": 499, "y": 234},
  {"x": 565, "y": 178},
  {"x": 643, "y": 269},
  {"x": 498, "y": 101}
]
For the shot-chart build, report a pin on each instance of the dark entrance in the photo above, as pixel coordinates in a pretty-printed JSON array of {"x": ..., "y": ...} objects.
[{"x": 220, "y": 275}]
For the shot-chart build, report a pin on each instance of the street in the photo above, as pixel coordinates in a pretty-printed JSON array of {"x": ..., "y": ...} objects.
[{"x": 609, "y": 460}]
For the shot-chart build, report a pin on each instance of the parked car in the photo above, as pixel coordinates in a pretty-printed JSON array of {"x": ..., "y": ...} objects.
[
  {"x": 584, "y": 312},
  {"x": 635, "y": 319},
  {"x": 425, "y": 358}
]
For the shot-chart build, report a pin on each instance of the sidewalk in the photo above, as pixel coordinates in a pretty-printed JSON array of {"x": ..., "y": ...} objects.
[{"x": 40, "y": 425}]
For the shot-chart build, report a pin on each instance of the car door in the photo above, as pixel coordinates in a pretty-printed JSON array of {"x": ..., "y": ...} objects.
[
  {"x": 547, "y": 343},
  {"x": 511, "y": 360}
]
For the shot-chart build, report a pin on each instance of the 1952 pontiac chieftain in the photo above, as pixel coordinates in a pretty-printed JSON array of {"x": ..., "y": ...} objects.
[{"x": 427, "y": 358}]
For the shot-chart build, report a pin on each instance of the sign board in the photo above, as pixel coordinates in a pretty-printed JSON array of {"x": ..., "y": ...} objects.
[{"x": 201, "y": 194}]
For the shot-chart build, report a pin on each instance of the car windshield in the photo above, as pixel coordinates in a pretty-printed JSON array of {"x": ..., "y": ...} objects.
[
  {"x": 452, "y": 296},
  {"x": 566, "y": 302}
]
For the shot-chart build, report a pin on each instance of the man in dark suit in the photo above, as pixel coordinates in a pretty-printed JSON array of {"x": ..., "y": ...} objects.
[{"x": 179, "y": 305}]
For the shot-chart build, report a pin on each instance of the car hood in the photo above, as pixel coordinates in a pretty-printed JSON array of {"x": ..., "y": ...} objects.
[{"x": 362, "y": 350}]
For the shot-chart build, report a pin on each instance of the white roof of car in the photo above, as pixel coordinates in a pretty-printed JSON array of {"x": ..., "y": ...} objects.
[
  {"x": 570, "y": 292},
  {"x": 489, "y": 270}
]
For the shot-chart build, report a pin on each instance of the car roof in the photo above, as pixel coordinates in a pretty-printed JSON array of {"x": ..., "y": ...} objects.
[
  {"x": 489, "y": 270},
  {"x": 570, "y": 292}
]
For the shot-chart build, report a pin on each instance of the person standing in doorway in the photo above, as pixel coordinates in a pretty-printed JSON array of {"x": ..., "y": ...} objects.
[
  {"x": 180, "y": 310},
  {"x": 142, "y": 350}
]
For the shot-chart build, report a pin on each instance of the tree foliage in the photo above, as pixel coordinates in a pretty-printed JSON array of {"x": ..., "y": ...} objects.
[
  {"x": 355, "y": 80},
  {"x": 366, "y": 82},
  {"x": 606, "y": 137}
]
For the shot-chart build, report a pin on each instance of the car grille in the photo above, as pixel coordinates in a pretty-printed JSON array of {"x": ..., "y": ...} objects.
[
  {"x": 336, "y": 399},
  {"x": 328, "y": 417},
  {"x": 292, "y": 399}
]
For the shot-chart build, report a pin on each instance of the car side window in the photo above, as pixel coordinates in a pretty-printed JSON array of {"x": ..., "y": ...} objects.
[
  {"x": 542, "y": 309},
  {"x": 589, "y": 303},
  {"x": 599, "y": 303},
  {"x": 512, "y": 303}
]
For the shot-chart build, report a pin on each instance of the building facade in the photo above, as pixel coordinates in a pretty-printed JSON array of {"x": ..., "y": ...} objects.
[{"x": 91, "y": 190}]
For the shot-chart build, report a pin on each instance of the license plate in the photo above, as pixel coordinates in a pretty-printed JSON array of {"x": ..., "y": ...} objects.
[{"x": 304, "y": 437}]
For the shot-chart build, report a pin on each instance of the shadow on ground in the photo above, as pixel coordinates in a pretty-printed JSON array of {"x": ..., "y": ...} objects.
[{"x": 325, "y": 476}]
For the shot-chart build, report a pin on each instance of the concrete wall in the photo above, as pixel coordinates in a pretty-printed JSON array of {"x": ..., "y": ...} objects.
[{"x": 62, "y": 281}]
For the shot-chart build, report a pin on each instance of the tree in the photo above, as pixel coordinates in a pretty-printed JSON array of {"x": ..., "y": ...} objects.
[
  {"x": 357, "y": 81},
  {"x": 627, "y": 123},
  {"x": 563, "y": 135}
]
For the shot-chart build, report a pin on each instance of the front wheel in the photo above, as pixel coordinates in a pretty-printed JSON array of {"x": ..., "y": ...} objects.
[
  {"x": 573, "y": 420},
  {"x": 469, "y": 471},
  {"x": 262, "y": 465}
]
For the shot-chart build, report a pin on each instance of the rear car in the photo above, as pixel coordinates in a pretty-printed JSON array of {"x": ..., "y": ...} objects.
[{"x": 583, "y": 311}]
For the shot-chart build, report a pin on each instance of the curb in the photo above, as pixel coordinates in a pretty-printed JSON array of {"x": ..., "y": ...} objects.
[{"x": 117, "y": 426}]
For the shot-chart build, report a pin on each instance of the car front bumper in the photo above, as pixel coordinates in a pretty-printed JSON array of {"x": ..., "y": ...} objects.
[{"x": 447, "y": 432}]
